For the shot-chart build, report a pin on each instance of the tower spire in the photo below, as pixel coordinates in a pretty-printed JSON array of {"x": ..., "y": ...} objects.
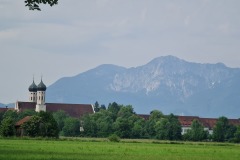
[
  {"x": 41, "y": 89},
  {"x": 32, "y": 92}
]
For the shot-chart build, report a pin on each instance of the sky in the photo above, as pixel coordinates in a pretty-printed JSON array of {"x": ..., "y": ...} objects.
[{"x": 77, "y": 35}]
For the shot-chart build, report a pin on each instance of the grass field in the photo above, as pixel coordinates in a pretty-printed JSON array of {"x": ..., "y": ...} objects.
[{"x": 30, "y": 149}]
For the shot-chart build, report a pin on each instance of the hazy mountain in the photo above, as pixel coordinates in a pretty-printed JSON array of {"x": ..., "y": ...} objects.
[
  {"x": 10, "y": 105},
  {"x": 166, "y": 83}
]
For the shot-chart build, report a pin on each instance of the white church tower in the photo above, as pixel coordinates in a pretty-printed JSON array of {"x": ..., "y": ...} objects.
[
  {"x": 41, "y": 89},
  {"x": 32, "y": 92}
]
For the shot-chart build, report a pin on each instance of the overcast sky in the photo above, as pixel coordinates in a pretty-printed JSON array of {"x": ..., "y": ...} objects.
[{"x": 77, "y": 35}]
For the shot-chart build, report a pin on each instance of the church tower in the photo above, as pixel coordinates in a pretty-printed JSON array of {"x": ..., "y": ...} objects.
[
  {"x": 41, "y": 89},
  {"x": 32, "y": 92}
]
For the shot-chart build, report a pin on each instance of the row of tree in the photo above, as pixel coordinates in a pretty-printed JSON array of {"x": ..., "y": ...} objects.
[
  {"x": 115, "y": 119},
  {"x": 122, "y": 121}
]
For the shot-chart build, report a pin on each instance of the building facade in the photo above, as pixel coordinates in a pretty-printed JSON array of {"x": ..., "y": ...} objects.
[{"x": 37, "y": 96}]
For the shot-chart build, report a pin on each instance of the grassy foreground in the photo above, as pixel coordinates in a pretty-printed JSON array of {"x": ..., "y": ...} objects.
[{"x": 20, "y": 149}]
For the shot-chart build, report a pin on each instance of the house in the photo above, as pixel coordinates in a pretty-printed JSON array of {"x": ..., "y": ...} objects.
[
  {"x": 19, "y": 129},
  {"x": 186, "y": 121},
  {"x": 208, "y": 123}
]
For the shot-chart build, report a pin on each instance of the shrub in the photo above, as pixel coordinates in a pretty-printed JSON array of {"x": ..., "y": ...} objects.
[{"x": 114, "y": 138}]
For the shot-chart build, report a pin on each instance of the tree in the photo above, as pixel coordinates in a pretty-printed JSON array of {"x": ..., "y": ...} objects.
[
  {"x": 7, "y": 127},
  {"x": 168, "y": 128},
  {"x": 156, "y": 115},
  {"x": 231, "y": 130},
  {"x": 114, "y": 109},
  {"x": 32, "y": 127},
  {"x": 27, "y": 112},
  {"x": 10, "y": 113},
  {"x": 103, "y": 107},
  {"x": 175, "y": 128},
  {"x": 104, "y": 123},
  {"x": 138, "y": 128},
  {"x": 34, "y": 4},
  {"x": 1, "y": 116},
  {"x": 196, "y": 133},
  {"x": 96, "y": 107},
  {"x": 162, "y": 129},
  {"x": 71, "y": 127},
  {"x": 237, "y": 135},
  {"x": 150, "y": 125},
  {"x": 223, "y": 131},
  {"x": 124, "y": 122},
  {"x": 60, "y": 117},
  {"x": 43, "y": 124},
  {"x": 49, "y": 126}
]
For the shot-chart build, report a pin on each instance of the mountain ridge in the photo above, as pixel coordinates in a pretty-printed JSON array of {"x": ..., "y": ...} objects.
[{"x": 167, "y": 83}]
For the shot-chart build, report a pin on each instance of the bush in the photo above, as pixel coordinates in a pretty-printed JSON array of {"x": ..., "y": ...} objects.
[
  {"x": 114, "y": 138},
  {"x": 7, "y": 127}
]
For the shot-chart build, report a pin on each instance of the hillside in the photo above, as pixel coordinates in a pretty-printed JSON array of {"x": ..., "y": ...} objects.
[{"x": 166, "y": 83}]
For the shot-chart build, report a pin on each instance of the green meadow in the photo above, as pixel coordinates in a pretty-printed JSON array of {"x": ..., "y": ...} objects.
[{"x": 100, "y": 149}]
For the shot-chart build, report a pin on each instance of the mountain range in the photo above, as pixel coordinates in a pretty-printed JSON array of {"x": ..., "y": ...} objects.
[{"x": 169, "y": 84}]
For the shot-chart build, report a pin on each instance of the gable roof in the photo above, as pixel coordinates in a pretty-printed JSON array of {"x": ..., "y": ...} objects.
[
  {"x": 74, "y": 110},
  {"x": 20, "y": 122},
  {"x": 206, "y": 122},
  {"x": 186, "y": 121}
]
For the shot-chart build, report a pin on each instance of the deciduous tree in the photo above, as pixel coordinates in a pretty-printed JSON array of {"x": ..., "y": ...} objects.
[
  {"x": 196, "y": 133},
  {"x": 71, "y": 127},
  {"x": 7, "y": 127},
  {"x": 43, "y": 124},
  {"x": 60, "y": 117},
  {"x": 34, "y": 4},
  {"x": 168, "y": 128},
  {"x": 223, "y": 131}
]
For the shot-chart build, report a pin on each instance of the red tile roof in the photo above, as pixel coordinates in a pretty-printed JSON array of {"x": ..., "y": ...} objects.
[
  {"x": 20, "y": 122},
  {"x": 206, "y": 122},
  {"x": 3, "y": 109},
  {"x": 74, "y": 110},
  {"x": 186, "y": 121}
]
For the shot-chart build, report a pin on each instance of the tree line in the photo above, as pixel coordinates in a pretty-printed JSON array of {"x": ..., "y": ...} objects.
[{"x": 115, "y": 119}]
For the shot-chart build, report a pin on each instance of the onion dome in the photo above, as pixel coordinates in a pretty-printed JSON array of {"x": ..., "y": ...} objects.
[
  {"x": 32, "y": 87},
  {"x": 41, "y": 86}
]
